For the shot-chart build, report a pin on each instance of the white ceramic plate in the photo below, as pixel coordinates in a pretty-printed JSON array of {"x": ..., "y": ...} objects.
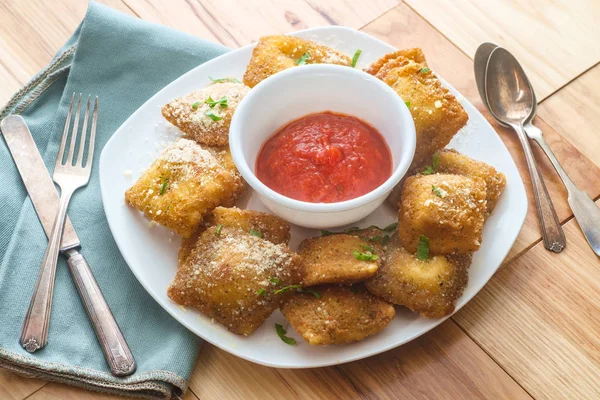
[{"x": 151, "y": 251}]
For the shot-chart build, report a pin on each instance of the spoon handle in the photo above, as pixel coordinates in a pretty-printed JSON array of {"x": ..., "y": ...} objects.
[
  {"x": 586, "y": 212},
  {"x": 552, "y": 233}
]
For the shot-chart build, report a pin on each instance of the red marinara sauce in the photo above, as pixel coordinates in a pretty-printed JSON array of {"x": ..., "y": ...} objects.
[{"x": 324, "y": 157}]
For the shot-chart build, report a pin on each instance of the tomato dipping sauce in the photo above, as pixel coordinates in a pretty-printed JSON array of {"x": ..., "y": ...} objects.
[{"x": 324, "y": 157}]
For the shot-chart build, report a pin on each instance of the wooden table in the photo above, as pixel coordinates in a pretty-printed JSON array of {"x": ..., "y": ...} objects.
[{"x": 533, "y": 331}]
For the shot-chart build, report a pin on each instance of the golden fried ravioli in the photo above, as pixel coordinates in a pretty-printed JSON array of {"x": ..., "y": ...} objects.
[
  {"x": 267, "y": 226},
  {"x": 381, "y": 67},
  {"x": 340, "y": 258},
  {"x": 447, "y": 209},
  {"x": 429, "y": 287},
  {"x": 340, "y": 315},
  {"x": 452, "y": 162},
  {"x": 181, "y": 186},
  {"x": 223, "y": 156},
  {"x": 205, "y": 115},
  {"x": 232, "y": 277},
  {"x": 273, "y": 54}
]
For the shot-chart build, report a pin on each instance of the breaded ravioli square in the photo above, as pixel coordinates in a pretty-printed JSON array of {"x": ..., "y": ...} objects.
[
  {"x": 233, "y": 277},
  {"x": 223, "y": 156},
  {"x": 205, "y": 115},
  {"x": 452, "y": 162},
  {"x": 340, "y": 258},
  {"x": 181, "y": 186},
  {"x": 447, "y": 209},
  {"x": 267, "y": 226},
  {"x": 276, "y": 53},
  {"x": 340, "y": 315},
  {"x": 429, "y": 287}
]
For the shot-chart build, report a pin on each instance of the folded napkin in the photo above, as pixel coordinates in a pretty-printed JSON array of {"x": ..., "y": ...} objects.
[{"x": 124, "y": 61}]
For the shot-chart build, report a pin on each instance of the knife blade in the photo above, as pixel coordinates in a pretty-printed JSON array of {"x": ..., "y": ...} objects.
[{"x": 44, "y": 197}]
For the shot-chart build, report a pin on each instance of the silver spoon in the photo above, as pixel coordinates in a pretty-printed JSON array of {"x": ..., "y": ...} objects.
[
  {"x": 586, "y": 212},
  {"x": 510, "y": 99}
]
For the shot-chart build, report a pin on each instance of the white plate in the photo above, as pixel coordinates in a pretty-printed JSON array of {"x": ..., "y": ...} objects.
[{"x": 151, "y": 252}]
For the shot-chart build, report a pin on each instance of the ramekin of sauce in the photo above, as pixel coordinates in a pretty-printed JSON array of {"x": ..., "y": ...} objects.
[{"x": 322, "y": 145}]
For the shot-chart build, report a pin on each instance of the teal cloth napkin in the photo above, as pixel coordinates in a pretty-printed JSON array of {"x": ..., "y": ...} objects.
[{"x": 124, "y": 61}]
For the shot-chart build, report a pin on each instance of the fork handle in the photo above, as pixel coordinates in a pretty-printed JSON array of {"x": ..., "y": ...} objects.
[
  {"x": 115, "y": 348},
  {"x": 34, "y": 335},
  {"x": 552, "y": 233}
]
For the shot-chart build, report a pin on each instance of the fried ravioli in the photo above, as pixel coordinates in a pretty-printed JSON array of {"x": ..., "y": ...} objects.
[
  {"x": 429, "y": 288},
  {"x": 232, "y": 277},
  {"x": 223, "y": 156},
  {"x": 205, "y": 115},
  {"x": 181, "y": 186},
  {"x": 267, "y": 226},
  {"x": 448, "y": 209},
  {"x": 276, "y": 53},
  {"x": 339, "y": 316},
  {"x": 339, "y": 258},
  {"x": 452, "y": 162}
]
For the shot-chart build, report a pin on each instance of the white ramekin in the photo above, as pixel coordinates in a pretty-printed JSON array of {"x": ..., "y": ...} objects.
[{"x": 296, "y": 92}]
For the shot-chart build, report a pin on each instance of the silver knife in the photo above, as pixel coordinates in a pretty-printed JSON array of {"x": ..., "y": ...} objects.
[{"x": 45, "y": 200}]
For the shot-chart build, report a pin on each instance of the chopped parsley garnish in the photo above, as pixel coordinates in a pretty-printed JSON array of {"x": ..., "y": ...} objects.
[
  {"x": 286, "y": 288},
  {"x": 261, "y": 292},
  {"x": 256, "y": 233},
  {"x": 327, "y": 233},
  {"x": 367, "y": 247},
  {"x": 355, "y": 57},
  {"x": 385, "y": 240},
  {"x": 349, "y": 230},
  {"x": 218, "y": 231},
  {"x": 167, "y": 209},
  {"x": 407, "y": 104},
  {"x": 368, "y": 256},
  {"x": 391, "y": 227},
  {"x": 213, "y": 116},
  {"x": 311, "y": 291},
  {"x": 281, "y": 333},
  {"x": 163, "y": 187},
  {"x": 423, "y": 248},
  {"x": 374, "y": 239},
  {"x": 302, "y": 60},
  {"x": 436, "y": 190},
  {"x": 430, "y": 169},
  {"x": 224, "y": 80},
  {"x": 222, "y": 102},
  {"x": 425, "y": 70},
  {"x": 274, "y": 280},
  {"x": 196, "y": 105}
]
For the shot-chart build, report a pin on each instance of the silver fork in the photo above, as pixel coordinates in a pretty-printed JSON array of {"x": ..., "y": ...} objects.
[{"x": 70, "y": 176}]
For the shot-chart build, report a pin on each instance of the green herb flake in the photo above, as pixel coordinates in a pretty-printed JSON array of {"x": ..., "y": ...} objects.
[
  {"x": 286, "y": 288},
  {"x": 425, "y": 70},
  {"x": 213, "y": 116},
  {"x": 385, "y": 240},
  {"x": 367, "y": 247},
  {"x": 310, "y": 291},
  {"x": 423, "y": 248},
  {"x": 407, "y": 104},
  {"x": 368, "y": 256},
  {"x": 222, "y": 102},
  {"x": 327, "y": 233},
  {"x": 436, "y": 190},
  {"x": 274, "y": 280},
  {"x": 221, "y": 80},
  {"x": 218, "y": 231},
  {"x": 261, "y": 292},
  {"x": 196, "y": 105},
  {"x": 167, "y": 209},
  {"x": 355, "y": 57},
  {"x": 375, "y": 239},
  {"x": 302, "y": 60},
  {"x": 430, "y": 169},
  {"x": 256, "y": 233},
  {"x": 281, "y": 333},
  {"x": 391, "y": 227},
  {"x": 163, "y": 187}
]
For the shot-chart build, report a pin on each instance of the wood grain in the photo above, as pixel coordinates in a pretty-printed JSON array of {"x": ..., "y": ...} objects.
[
  {"x": 536, "y": 32},
  {"x": 404, "y": 28},
  {"x": 574, "y": 112},
  {"x": 539, "y": 318},
  {"x": 58, "y": 391},
  {"x": 236, "y": 23},
  {"x": 15, "y": 387}
]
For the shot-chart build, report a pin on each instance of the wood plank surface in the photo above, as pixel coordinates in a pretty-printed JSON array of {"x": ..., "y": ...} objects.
[
  {"x": 58, "y": 391},
  {"x": 539, "y": 317},
  {"x": 574, "y": 112},
  {"x": 15, "y": 387},
  {"x": 404, "y": 28},
  {"x": 554, "y": 40}
]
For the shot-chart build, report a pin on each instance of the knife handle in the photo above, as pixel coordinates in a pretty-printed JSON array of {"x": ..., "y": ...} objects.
[{"x": 115, "y": 348}]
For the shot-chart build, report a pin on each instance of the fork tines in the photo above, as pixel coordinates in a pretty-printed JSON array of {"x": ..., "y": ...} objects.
[{"x": 74, "y": 135}]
